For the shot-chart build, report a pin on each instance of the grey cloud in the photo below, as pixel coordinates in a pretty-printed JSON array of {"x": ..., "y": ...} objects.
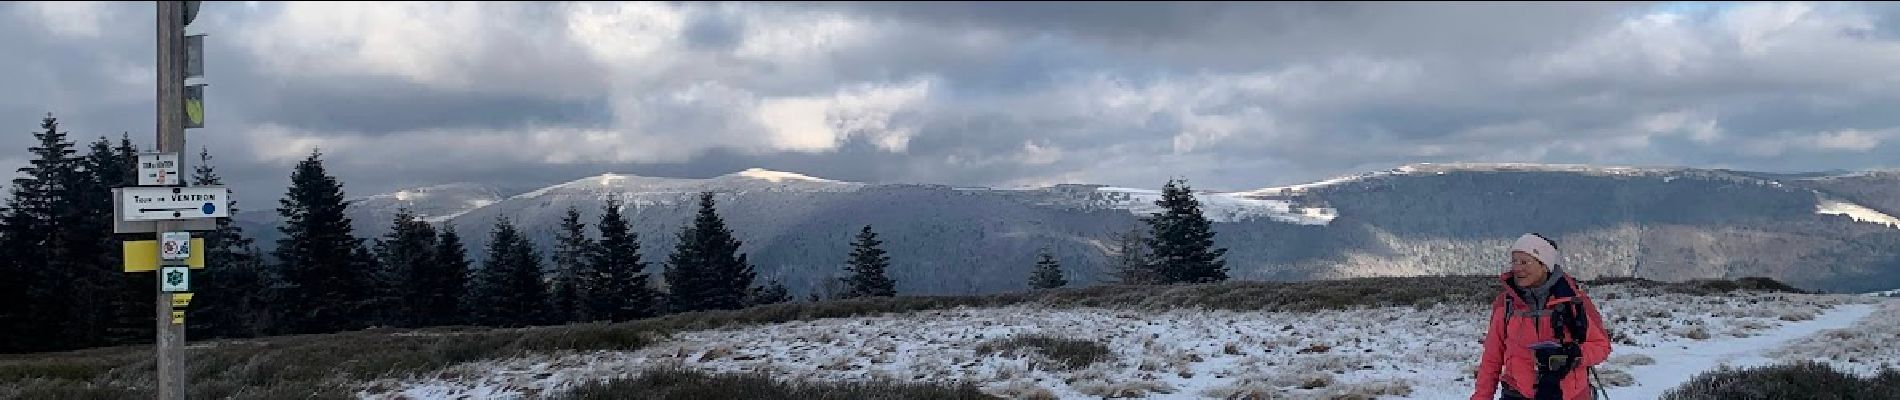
[
  {"x": 1464, "y": 82},
  {"x": 713, "y": 32},
  {"x": 382, "y": 106}
]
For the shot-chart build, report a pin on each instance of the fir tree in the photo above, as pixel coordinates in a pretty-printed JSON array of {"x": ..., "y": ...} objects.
[
  {"x": 36, "y": 242},
  {"x": 1130, "y": 265},
  {"x": 615, "y": 285},
  {"x": 571, "y": 250},
  {"x": 1048, "y": 274},
  {"x": 706, "y": 270},
  {"x": 445, "y": 282},
  {"x": 772, "y": 293},
  {"x": 1182, "y": 239},
  {"x": 233, "y": 298},
  {"x": 320, "y": 256},
  {"x": 867, "y": 268},
  {"x": 406, "y": 254},
  {"x": 509, "y": 288},
  {"x": 96, "y": 285}
]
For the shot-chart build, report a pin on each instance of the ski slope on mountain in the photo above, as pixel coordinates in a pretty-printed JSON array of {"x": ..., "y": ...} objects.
[
  {"x": 1856, "y": 211},
  {"x": 1221, "y": 207},
  {"x": 1396, "y": 352}
]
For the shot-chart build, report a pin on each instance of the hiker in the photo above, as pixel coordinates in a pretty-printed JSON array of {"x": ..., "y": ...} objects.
[{"x": 1544, "y": 351}]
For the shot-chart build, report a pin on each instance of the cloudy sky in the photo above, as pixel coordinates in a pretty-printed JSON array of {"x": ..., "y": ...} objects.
[{"x": 1231, "y": 96}]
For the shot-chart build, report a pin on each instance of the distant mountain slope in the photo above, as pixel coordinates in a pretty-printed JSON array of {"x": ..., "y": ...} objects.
[{"x": 1831, "y": 231}]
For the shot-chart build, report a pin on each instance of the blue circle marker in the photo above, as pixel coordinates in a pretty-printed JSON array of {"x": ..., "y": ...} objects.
[{"x": 209, "y": 208}]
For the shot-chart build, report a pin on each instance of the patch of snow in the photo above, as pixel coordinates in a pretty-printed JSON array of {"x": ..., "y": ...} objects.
[
  {"x": 1587, "y": 168},
  {"x": 1862, "y": 349},
  {"x": 1855, "y": 211},
  {"x": 1676, "y": 364},
  {"x": 1185, "y": 353},
  {"x": 778, "y": 176},
  {"x": 1224, "y": 207}
]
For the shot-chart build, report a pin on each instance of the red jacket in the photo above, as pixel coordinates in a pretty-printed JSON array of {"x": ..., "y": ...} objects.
[{"x": 1507, "y": 353}]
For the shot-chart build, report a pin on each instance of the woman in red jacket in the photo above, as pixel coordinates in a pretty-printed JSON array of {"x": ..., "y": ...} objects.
[{"x": 1545, "y": 333}]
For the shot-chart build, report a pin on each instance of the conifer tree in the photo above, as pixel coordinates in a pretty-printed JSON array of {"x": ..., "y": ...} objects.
[
  {"x": 1048, "y": 273},
  {"x": 406, "y": 254},
  {"x": 1182, "y": 239},
  {"x": 866, "y": 268},
  {"x": 1130, "y": 264},
  {"x": 706, "y": 270},
  {"x": 509, "y": 288},
  {"x": 321, "y": 258},
  {"x": 616, "y": 286},
  {"x": 233, "y": 299},
  {"x": 446, "y": 282},
  {"x": 571, "y": 250},
  {"x": 35, "y": 244}
]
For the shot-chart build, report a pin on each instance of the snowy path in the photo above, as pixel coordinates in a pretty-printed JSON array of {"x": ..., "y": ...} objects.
[{"x": 1677, "y": 363}]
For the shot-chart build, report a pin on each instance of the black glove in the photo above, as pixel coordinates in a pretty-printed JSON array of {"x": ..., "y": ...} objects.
[
  {"x": 1557, "y": 359},
  {"x": 1554, "y": 362}
]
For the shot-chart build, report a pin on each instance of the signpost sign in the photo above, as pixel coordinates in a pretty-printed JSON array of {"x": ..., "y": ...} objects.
[
  {"x": 161, "y": 203},
  {"x": 158, "y": 169}
]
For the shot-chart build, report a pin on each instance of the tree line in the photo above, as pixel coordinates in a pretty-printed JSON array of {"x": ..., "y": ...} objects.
[{"x": 69, "y": 291}]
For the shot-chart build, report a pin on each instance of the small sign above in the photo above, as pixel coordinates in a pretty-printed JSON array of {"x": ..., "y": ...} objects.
[{"x": 159, "y": 169}]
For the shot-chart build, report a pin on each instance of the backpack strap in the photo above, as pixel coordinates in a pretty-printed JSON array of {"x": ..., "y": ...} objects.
[{"x": 1568, "y": 322}]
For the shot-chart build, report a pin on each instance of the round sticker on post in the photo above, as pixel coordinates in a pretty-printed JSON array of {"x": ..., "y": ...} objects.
[{"x": 174, "y": 246}]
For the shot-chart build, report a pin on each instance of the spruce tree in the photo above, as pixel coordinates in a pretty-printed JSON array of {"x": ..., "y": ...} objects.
[
  {"x": 571, "y": 250},
  {"x": 615, "y": 285},
  {"x": 867, "y": 268},
  {"x": 706, "y": 270},
  {"x": 35, "y": 246},
  {"x": 1182, "y": 239},
  {"x": 446, "y": 282},
  {"x": 233, "y": 297},
  {"x": 1048, "y": 273},
  {"x": 96, "y": 284},
  {"x": 1130, "y": 265},
  {"x": 772, "y": 293},
  {"x": 320, "y": 256},
  {"x": 509, "y": 289},
  {"x": 130, "y": 294},
  {"x": 406, "y": 253}
]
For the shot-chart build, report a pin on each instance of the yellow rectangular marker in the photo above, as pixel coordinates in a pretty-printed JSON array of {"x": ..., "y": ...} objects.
[
  {"x": 180, "y": 300},
  {"x": 178, "y": 317},
  {"x": 142, "y": 255}
]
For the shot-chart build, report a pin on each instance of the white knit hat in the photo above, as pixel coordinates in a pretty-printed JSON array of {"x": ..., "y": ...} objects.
[{"x": 1536, "y": 246}]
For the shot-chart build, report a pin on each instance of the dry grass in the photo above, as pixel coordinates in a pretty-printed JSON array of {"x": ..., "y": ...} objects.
[
  {"x": 1802, "y": 380},
  {"x": 1703, "y": 287},
  {"x": 1068, "y": 354}
]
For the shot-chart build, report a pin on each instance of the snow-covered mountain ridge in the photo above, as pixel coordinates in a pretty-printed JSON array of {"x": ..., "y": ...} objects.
[{"x": 1417, "y": 219}]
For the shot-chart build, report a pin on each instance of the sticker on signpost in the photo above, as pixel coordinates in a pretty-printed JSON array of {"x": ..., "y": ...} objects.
[
  {"x": 175, "y": 279},
  {"x": 175, "y": 246}
]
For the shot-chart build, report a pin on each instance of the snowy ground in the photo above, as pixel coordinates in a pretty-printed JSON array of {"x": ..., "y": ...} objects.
[{"x": 1400, "y": 352}]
